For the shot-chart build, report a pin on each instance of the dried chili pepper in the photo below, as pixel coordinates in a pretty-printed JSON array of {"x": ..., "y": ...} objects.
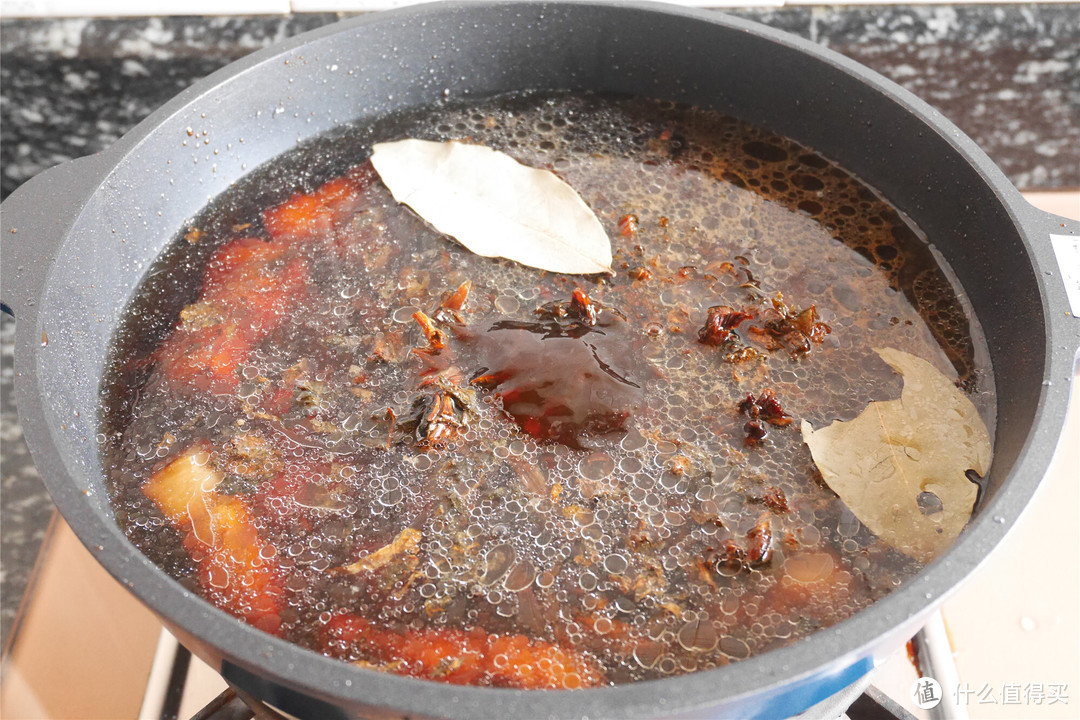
[
  {"x": 583, "y": 308},
  {"x": 766, "y": 407},
  {"x": 436, "y": 338},
  {"x": 770, "y": 410},
  {"x": 721, "y": 321},
  {"x": 731, "y": 556},
  {"x": 775, "y": 500},
  {"x": 451, "y": 308},
  {"x": 786, "y": 327},
  {"x": 760, "y": 541},
  {"x": 755, "y": 432},
  {"x": 442, "y": 418}
]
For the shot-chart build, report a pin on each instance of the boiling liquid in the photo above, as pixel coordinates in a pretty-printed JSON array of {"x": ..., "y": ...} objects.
[{"x": 592, "y": 493}]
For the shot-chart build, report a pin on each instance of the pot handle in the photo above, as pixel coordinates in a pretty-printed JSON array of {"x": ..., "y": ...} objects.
[
  {"x": 1058, "y": 251},
  {"x": 34, "y": 219}
]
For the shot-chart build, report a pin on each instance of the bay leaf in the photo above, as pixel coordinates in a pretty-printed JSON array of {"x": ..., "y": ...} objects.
[
  {"x": 900, "y": 465},
  {"x": 494, "y": 205}
]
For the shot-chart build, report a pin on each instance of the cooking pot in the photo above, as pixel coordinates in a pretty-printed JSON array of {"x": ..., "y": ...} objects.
[{"x": 77, "y": 240}]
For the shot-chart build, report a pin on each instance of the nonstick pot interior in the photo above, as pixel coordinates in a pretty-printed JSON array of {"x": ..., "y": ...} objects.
[{"x": 121, "y": 208}]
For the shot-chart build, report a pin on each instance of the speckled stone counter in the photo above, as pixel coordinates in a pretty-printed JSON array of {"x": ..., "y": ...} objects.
[{"x": 1007, "y": 75}]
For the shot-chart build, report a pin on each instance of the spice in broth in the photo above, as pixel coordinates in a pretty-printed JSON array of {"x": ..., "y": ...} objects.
[{"x": 346, "y": 429}]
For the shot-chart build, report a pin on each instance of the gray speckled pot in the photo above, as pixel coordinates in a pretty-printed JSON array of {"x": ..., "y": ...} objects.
[{"x": 78, "y": 239}]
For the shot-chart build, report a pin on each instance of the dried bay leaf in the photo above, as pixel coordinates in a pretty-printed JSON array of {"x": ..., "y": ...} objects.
[
  {"x": 495, "y": 206},
  {"x": 895, "y": 451}
]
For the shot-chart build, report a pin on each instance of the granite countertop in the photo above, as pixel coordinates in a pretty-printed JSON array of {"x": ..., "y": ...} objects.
[{"x": 1008, "y": 75}]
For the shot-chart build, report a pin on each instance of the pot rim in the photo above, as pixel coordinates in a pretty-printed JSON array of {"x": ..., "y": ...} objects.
[{"x": 845, "y": 644}]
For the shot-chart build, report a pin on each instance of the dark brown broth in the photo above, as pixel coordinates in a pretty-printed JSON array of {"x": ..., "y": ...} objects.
[{"x": 607, "y": 526}]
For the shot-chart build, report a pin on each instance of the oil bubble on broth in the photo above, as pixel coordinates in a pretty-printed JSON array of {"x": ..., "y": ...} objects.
[{"x": 347, "y": 430}]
